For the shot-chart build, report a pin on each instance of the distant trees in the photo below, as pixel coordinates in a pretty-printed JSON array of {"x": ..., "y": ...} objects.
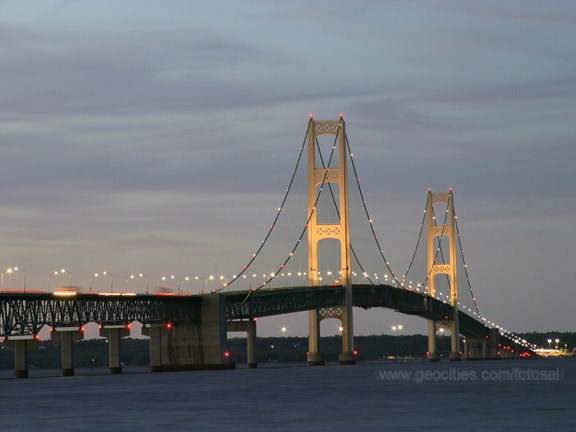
[{"x": 136, "y": 352}]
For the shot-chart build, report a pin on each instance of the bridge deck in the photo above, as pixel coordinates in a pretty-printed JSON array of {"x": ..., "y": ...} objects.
[
  {"x": 27, "y": 313},
  {"x": 277, "y": 301}
]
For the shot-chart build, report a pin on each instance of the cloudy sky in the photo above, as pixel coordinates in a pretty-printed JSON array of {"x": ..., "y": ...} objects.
[{"x": 159, "y": 137}]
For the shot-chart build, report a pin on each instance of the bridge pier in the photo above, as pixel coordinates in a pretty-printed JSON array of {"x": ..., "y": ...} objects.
[
  {"x": 214, "y": 340},
  {"x": 347, "y": 356},
  {"x": 250, "y": 328},
  {"x": 191, "y": 345},
  {"x": 476, "y": 348},
  {"x": 20, "y": 345},
  {"x": 157, "y": 334},
  {"x": 455, "y": 354},
  {"x": 113, "y": 333},
  {"x": 432, "y": 354},
  {"x": 174, "y": 346},
  {"x": 67, "y": 336},
  {"x": 314, "y": 356},
  {"x": 452, "y": 326},
  {"x": 494, "y": 344}
]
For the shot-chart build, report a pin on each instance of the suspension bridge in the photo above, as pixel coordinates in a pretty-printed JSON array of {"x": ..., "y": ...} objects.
[{"x": 304, "y": 245}]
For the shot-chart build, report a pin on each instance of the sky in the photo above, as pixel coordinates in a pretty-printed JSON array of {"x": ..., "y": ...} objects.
[{"x": 159, "y": 138}]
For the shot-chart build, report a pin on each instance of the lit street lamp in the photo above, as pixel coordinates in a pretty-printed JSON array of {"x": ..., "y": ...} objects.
[
  {"x": 10, "y": 271},
  {"x": 140, "y": 275},
  {"x": 59, "y": 272},
  {"x": 205, "y": 286},
  {"x": 97, "y": 275},
  {"x": 180, "y": 282}
]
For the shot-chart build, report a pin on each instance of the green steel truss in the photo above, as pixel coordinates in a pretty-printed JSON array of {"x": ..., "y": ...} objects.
[
  {"x": 267, "y": 302},
  {"x": 26, "y": 314}
]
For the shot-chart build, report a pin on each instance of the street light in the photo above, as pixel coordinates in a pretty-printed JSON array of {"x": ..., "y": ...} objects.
[
  {"x": 97, "y": 275},
  {"x": 557, "y": 341},
  {"x": 549, "y": 342},
  {"x": 165, "y": 278},
  {"x": 59, "y": 272},
  {"x": 140, "y": 275},
  {"x": 180, "y": 282},
  {"x": 10, "y": 271},
  {"x": 210, "y": 278}
]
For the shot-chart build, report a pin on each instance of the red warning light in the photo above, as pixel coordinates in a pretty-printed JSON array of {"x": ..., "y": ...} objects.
[
  {"x": 169, "y": 325},
  {"x": 227, "y": 354},
  {"x": 355, "y": 352},
  {"x": 128, "y": 326}
]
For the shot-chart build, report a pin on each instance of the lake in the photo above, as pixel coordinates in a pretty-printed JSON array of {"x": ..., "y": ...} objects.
[{"x": 526, "y": 395}]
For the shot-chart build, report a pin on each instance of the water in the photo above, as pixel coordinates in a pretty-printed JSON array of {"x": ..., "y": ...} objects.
[{"x": 534, "y": 395}]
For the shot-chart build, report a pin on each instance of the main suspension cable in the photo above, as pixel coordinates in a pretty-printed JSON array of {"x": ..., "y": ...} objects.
[
  {"x": 398, "y": 282},
  {"x": 312, "y": 211},
  {"x": 254, "y": 255}
]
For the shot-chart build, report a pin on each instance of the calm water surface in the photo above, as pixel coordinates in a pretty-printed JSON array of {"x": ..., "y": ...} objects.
[{"x": 469, "y": 396}]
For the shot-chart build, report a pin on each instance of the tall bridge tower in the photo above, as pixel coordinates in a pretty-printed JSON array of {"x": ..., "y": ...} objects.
[
  {"x": 318, "y": 232},
  {"x": 448, "y": 231}
]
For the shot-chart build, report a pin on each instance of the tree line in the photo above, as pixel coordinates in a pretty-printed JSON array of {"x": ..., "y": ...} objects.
[{"x": 136, "y": 352}]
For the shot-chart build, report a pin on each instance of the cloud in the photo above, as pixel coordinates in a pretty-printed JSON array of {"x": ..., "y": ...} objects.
[{"x": 164, "y": 137}]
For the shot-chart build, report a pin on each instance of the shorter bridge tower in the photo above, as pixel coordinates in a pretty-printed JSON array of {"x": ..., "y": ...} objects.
[
  {"x": 340, "y": 231},
  {"x": 447, "y": 231}
]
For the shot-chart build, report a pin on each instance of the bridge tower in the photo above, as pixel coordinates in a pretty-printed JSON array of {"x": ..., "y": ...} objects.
[
  {"x": 448, "y": 231},
  {"x": 321, "y": 231}
]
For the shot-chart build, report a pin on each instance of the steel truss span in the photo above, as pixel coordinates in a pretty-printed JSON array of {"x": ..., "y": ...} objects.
[
  {"x": 242, "y": 305},
  {"x": 26, "y": 314}
]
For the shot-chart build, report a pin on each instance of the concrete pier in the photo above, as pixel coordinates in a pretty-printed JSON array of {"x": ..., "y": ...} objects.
[
  {"x": 214, "y": 340},
  {"x": 157, "y": 334},
  {"x": 250, "y": 328},
  {"x": 113, "y": 333},
  {"x": 476, "y": 348},
  {"x": 67, "y": 336},
  {"x": 494, "y": 350},
  {"x": 20, "y": 345},
  {"x": 432, "y": 350},
  {"x": 314, "y": 356},
  {"x": 191, "y": 345},
  {"x": 455, "y": 353}
]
